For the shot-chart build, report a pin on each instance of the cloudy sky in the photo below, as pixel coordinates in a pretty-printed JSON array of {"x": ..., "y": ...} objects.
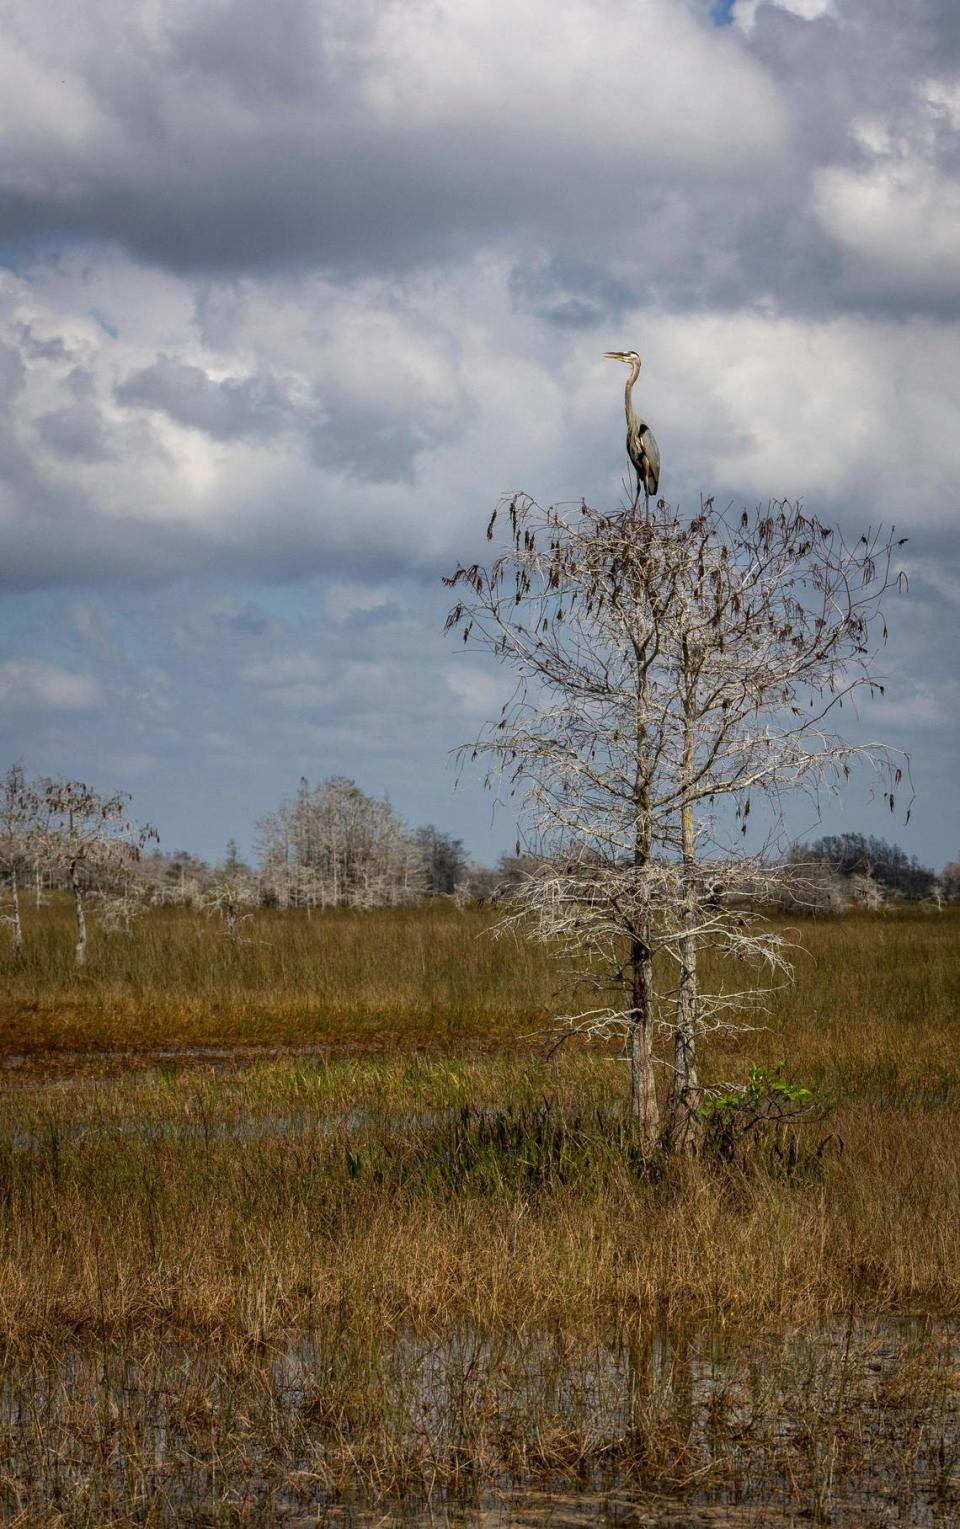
[{"x": 290, "y": 293}]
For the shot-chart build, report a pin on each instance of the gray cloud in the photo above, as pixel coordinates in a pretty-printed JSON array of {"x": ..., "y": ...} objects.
[
  {"x": 375, "y": 138},
  {"x": 333, "y": 135},
  {"x": 375, "y": 451},
  {"x": 572, "y": 294},
  {"x": 41, "y": 350},
  {"x": 236, "y": 408},
  {"x": 75, "y": 433},
  {"x": 342, "y": 431},
  {"x": 12, "y": 371}
]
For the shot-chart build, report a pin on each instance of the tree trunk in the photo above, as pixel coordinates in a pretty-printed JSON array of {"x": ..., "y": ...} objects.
[
  {"x": 643, "y": 1089},
  {"x": 80, "y": 949},
  {"x": 683, "y": 1125},
  {"x": 17, "y": 925},
  {"x": 643, "y": 1086}
]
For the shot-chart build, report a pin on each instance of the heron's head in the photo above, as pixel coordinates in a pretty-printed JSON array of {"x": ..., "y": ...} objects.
[{"x": 630, "y": 356}]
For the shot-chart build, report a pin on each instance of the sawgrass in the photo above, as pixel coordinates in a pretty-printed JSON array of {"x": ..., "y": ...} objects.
[
  {"x": 433, "y": 978},
  {"x": 426, "y": 1270},
  {"x": 424, "y": 976}
]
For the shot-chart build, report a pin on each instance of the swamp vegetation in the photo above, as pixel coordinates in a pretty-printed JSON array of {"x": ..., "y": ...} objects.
[{"x": 307, "y": 1229}]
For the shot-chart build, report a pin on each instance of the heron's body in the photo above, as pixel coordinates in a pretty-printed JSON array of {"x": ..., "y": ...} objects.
[
  {"x": 644, "y": 453},
  {"x": 642, "y": 448}
]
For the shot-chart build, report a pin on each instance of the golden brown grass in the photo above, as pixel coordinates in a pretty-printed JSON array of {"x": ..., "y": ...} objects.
[
  {"x": 258, "y": 1203},
  {"x": 433, "y": 978},
  {"x": 181, "y": 1197},
  {"x": 410, "y": 977},
  {"x": 226, "y": 1291}
]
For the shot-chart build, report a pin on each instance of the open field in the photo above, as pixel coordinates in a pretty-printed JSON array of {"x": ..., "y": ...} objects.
[{"x": 419, "y": 1266}]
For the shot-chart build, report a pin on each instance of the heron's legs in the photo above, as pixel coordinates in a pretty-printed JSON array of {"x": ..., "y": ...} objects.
[{"x": 641, "y": 489}]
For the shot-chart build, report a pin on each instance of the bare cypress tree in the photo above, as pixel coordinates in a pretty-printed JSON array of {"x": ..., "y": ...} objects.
[
  {"x": 233, "y": 895},
  {"x": 89, "y": 840},
  {"x": 334, "y": 846},
  {"x": 778, "y": 623},
  {"x": 669, "y": 672},
  {"x": 18, "y": 811}
]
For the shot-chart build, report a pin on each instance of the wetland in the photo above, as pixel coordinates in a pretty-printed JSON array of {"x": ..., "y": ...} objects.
[{"x": 311, "y": 1231}]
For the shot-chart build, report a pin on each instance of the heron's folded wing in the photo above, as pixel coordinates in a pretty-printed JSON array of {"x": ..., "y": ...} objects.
[{"x": 651, "y": 450}]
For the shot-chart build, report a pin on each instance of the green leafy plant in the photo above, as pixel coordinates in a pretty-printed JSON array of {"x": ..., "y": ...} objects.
[{"x": 760, "y": 1121}]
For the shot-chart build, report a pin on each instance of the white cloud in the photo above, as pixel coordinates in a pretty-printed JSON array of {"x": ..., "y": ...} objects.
[
  {"x": 129, "y": 763},
  {"x": 900, "y": 218},
  {"x": 570, "y": 74},
  {"x": 345, "y": 599},
  {"x": 943, "y": 577},
  {"x": 943, "y": 97},
  {"x": 479, "y": 693},
  {"x": 30, "y": 683},
  {"x": 896, "y": 212},
  {"x": 919, "y": 707},
  {"x": 745, "y": 11},
  {"x": 834, "y": 411},
  {"x": 187, "y": 130},
  {"x": 46, "y": 110},
  {"x": 300, "y": 681},
  {"x": 750, "y": 400}
]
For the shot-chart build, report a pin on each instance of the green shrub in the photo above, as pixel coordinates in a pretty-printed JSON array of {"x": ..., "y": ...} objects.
[{"x": 760, "y": 1121}]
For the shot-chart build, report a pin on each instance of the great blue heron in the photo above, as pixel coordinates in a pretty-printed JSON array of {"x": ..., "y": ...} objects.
[{"x": 642, "y": 448}]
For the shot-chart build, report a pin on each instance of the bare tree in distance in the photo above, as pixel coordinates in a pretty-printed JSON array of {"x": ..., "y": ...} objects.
[
  {"x": 334, "y": 846},
  {"x": 18, "y": 815},
  {"x": 232, "y": 895},
  {"x": 949, "y": 886},
  {"x": 178, "y": 878},
  {"x": 671, "y": 673},
  {"x": 90, "y": 840}
]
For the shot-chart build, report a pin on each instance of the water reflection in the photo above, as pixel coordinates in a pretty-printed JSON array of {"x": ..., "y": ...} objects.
[{"x": 853, "y": 1423}]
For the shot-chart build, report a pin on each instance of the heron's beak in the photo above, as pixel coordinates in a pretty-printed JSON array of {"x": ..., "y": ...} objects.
[{"x": 614, "y": 355}]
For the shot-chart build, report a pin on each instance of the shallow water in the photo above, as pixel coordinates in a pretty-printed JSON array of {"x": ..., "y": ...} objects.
[
  {"x": 73, "y": 1068},
  {"x": 854, "y": 1423}
]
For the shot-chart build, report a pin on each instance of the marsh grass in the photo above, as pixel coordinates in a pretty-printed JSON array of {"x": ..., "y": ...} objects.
[
  {"x": 411, "y": 977},
  {"x": 430, "y": 1273},
  {"x": 432, "y": 978}
]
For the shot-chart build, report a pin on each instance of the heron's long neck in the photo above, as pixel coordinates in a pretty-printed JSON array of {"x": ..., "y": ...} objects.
[{"x": 628, "y": 392}]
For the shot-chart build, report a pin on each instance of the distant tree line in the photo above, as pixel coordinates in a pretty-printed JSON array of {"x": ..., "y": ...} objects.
[
  {"x": 333, "y": 846},
  {"x": 330, "y": 846},
  {"x": 840, "y": 869},
  {"x": 63, "y": 833}
]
